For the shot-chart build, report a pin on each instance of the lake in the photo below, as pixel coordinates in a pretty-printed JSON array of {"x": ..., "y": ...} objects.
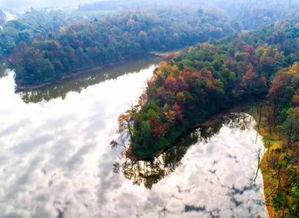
[{"x": 56, "y": 159}]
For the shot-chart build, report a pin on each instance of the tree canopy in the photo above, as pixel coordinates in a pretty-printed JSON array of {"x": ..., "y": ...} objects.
[
  {"x": 209, "y": 78},
  {"x": 71, "y": 46}
]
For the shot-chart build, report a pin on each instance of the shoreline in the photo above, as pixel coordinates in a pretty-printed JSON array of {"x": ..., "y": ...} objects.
[
  {"x": 154, "y": 54},
  {"x": 65, "y": 77},
  {"x": 20, "y": 88},
  {"x": 271, "y": 141},
  {"x": 246, "y": 108},
  {"x": 242, "y": 107}
]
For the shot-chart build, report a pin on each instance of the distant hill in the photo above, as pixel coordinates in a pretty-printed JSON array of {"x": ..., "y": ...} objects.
[{"x": 115, "y": 5}]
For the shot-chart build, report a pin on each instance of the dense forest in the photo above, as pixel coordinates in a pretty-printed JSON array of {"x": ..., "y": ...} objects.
[
  {"x": 254, "y": 13},
  {"x": 210, "y": 78},
  {"x": 47, "y": 55},
  {"x": 242, "y": 51},
  {"x": 280, "y": 130},
  {"x": 32, "y": 24},
  {"x": 44, "y": 46}
]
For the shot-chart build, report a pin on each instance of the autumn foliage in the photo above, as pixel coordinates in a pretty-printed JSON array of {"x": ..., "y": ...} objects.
[{"x": 210, "y": 77}]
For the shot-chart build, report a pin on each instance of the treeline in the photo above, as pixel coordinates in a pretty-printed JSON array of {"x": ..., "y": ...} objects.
[
  {"x": 208, "y": 78},
  {"x": 244, "y": 14},
  {"x": 282, "y": 159},
  {"x": 212, "y": 77},
  {"x": 86, "y": 44},
  {"x": 36, "y": 24},
  {"x": 47, "y": 45},
  {"x": 116, "y": 5},
  {"x": 249, "y": 14},
  {"x": 33, "y": 24}
]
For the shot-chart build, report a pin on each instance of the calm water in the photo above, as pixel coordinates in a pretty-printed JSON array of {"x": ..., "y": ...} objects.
[{"x": 56, "y": 161}]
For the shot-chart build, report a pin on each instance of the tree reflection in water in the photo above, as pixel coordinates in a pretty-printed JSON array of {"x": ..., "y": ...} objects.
[
  {"x": 151, "y": 172},
  {"x": 81, "y": 82}
]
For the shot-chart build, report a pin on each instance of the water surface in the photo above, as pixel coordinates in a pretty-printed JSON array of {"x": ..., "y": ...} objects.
[{"x": 56, "y": 161}]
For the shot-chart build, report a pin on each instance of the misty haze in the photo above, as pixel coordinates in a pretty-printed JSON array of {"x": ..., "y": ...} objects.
[{"x": 138, "y": 108}]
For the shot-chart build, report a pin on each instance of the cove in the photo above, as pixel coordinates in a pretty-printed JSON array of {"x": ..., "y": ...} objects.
[{"x": 56, "y": 160}]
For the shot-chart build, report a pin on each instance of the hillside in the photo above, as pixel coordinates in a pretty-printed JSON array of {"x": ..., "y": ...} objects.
[{"x": 210, "y": 78}]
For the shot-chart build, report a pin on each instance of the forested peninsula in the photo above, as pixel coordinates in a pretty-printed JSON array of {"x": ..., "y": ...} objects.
[
  {"x": 241, "y": 53},
  {"x": 210, "y": 78}
]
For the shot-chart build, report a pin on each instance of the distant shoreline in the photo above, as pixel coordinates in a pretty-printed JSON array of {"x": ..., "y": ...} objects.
[
  {"x": 20, "y": 88},
  {"x": 162, "y": 55}
]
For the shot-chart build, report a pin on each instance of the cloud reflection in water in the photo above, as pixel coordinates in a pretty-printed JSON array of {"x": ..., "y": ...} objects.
[
  {"x": 55, "y": 161},
  {"x": 212, "y": 178}
]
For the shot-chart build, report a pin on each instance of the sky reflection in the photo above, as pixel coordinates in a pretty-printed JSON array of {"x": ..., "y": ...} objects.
[{"x": 56, "y": 161}]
